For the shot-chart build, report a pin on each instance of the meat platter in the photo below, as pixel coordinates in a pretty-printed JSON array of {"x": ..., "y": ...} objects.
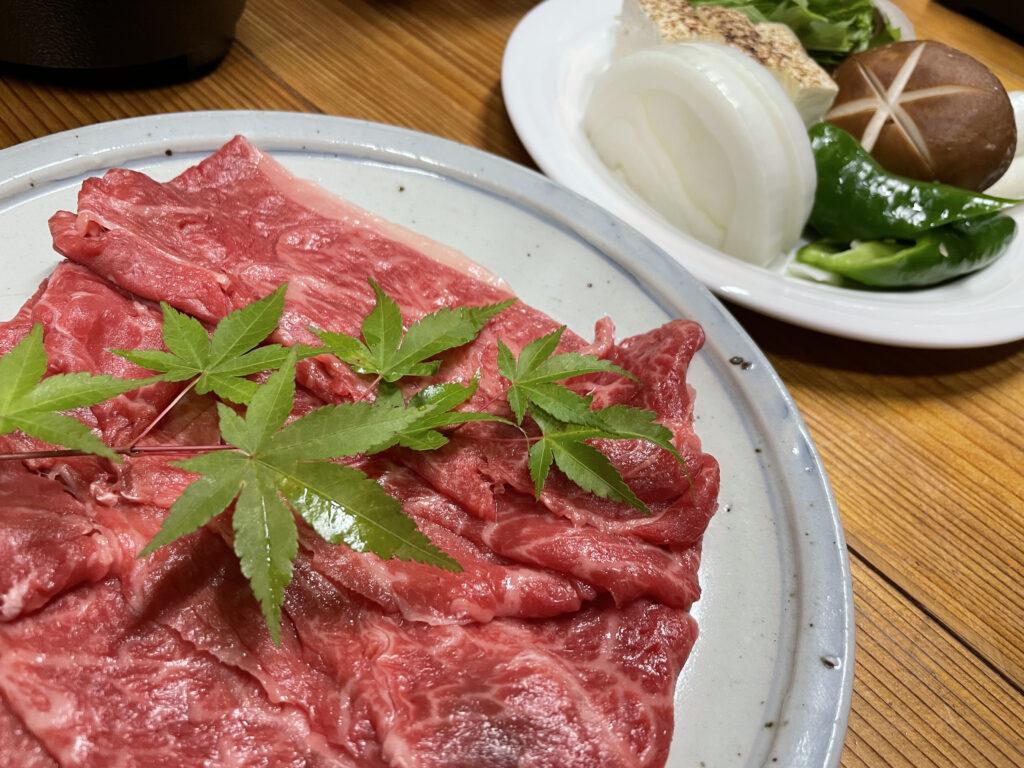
[{"x": 776, "y": 620}]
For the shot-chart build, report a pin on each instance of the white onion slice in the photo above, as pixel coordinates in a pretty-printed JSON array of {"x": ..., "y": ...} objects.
[
  {"x": 1011, "y": 183},
  {"x": 709, "y": 139}
]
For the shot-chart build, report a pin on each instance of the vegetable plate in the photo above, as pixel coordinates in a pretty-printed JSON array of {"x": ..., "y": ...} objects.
[{"x": 550, "y": 66}]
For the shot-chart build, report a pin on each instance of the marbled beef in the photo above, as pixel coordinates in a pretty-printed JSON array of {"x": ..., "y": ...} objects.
[{"x": 557, "y": 646}]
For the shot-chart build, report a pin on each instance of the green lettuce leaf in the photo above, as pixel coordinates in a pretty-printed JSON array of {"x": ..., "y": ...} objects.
[{"x": 830, "y": 30}]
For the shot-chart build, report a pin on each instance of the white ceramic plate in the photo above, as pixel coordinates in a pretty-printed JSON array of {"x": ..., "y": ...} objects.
[
  {"x": 550, "y": 64},
  {"x": 771, "y": 675}
]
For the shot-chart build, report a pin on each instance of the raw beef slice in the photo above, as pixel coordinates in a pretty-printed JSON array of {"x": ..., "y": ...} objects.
[
  {"x": 233, "y": 228},
  {"x": 558, "y": 645}
]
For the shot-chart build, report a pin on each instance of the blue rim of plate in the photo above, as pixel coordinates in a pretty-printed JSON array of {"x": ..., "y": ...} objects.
[{"x": 815, "y": 696}]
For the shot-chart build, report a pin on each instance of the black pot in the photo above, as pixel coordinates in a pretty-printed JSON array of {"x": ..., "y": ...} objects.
[{"x": 106, "y": 42}]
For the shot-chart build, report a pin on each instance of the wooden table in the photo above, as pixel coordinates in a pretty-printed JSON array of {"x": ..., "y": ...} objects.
[{"x": 923, "y": 448}]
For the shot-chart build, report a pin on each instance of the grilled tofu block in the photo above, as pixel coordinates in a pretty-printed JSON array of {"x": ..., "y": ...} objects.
[{"x": 648, "y": 23}]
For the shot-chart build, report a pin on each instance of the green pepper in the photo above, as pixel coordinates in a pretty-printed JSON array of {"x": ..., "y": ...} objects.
[
  {"x": 857, "y": 199},
  {"x": 935, "y": 256}
]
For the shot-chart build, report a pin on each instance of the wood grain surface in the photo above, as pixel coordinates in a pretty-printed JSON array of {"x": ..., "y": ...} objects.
[{"x": 923, "y": 448}]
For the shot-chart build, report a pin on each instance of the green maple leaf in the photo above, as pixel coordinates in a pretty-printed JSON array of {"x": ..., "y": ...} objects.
[
  {"x": 626, "y": 423},
  {"x": 32, "y": 403},
  {"x": 534, "y": 374},
  {"x": 585, "y": 465},
  {"x": 567, "y": 420},
  {"x": 435, "y": 404},
  {"x": 391, "y": 354},
  {"x": 219, "y": 362},
  {"x": 277, "y": 471}
]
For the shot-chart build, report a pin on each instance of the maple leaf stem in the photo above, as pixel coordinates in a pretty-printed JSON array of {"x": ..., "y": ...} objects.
[
  {"x": 149, "y": 428},
  {"x": 158, "y": 450},
  {"x": 55, "y": 454},
  {"x": 143, "y": 450},
  {"x": 485, "y": 408},
  {"x": 369, "y": 388}
]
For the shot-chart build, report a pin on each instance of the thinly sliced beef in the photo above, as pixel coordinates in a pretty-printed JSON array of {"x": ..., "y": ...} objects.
[
  {"x": 557, "y": 645},
  {"x": 522, "y": 564},
  {"x": 349, "y": 680},
  {"x": 482, "y": 457},
  {"x": 233, "y": 228},
  {"x": 195, "y": 588},
  {"x": 19, "y": 748},
  {"x": 97, "y": 685},
  {"x": 591, "y": 689},
  {"x": 49, "y": 543},
  {"x": 624, "y": 567},
  {"x": 488, "y": 586},
  {"x": 51, "y": 512},
  {"x": 84, "y": 317}
]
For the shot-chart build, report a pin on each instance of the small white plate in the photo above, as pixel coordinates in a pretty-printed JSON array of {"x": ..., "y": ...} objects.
[
  {"x": 550, "y": 64},
  {"x": 770, "y": 678}
]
